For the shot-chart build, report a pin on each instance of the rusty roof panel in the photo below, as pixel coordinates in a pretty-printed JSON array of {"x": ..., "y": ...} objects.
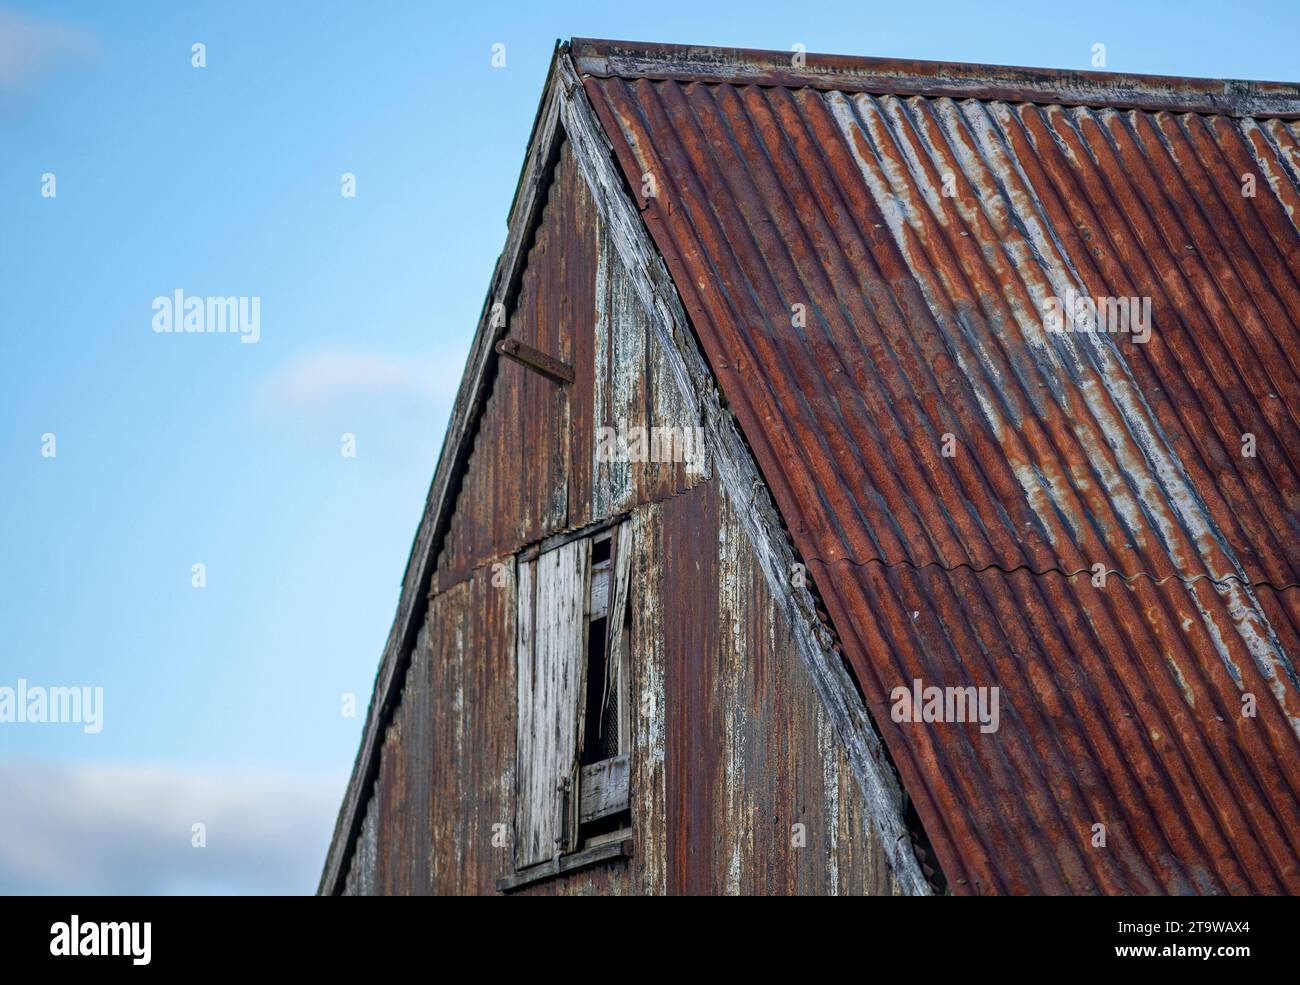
[{"x": 868, "y": 273}]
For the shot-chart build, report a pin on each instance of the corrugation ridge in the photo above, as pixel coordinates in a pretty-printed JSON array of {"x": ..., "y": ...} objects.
[
  {"x": 1012, "y": 764},
  {"x": 1012, "y": 608},
  {"x": 819, "y": 409},
  {"x": 1064, "y": 165},
  {"x": 1202, "y": 151},
  {"x": 1208, "y": 760},
  {"x": 1199, "y": 507},
  {"x": 1137, "y": 759},
  {"x": 992, "y": 625},
  {"x": 1229, "y": 139},
  {"x": 1172, "y": 224},
  {"x": 965, "y": 853},
  {"x": 1282, "y": 141},
  {"x": 1114, "y": 412},
  {"x": 974, "y": 265},
  {"x": 1015, "y": 599},
  {"x": 1171, "y": 502},
  {"x": 1287, "y": 604}
]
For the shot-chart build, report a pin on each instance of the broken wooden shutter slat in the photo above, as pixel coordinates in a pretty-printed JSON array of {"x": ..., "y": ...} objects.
[
  {"x": 551, "y": 675},
  {"x": 621, "y": 558},
  {"x": 604, "y": 789}
]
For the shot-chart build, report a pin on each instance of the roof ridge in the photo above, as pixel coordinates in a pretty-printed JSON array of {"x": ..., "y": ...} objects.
[{"x": 914, "y": 77}]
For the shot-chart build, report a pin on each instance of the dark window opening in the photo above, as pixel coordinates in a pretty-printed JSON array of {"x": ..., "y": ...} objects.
[
  {"x": 600, "y": 726},
  {"x": 612, "y": 824}
]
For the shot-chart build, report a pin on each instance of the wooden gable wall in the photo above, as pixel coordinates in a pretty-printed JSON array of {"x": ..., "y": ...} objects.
[{"x": 731, "y": 747}]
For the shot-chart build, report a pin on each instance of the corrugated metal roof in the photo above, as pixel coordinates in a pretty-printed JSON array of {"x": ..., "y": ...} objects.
[{"x": 922, "y": 234}]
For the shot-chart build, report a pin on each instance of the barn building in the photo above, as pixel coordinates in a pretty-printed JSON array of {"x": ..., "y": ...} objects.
[{"x": 869, "y": 477}]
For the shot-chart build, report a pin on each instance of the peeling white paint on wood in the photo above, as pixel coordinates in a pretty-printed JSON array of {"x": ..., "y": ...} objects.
[
  {"x": 647, "y": 795},
  {"x": 737, "y": 835},
  {"x": 634, "y": 388}
]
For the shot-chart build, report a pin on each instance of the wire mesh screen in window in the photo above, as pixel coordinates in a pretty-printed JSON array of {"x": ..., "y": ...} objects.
[{"x": 609, "y": 725}]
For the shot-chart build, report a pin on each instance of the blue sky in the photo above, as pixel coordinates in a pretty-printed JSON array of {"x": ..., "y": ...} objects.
[{"x": 222, "y": 705}]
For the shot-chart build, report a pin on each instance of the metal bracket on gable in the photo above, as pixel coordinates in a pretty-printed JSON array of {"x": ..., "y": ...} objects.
[{"x": 538, "y": 362}]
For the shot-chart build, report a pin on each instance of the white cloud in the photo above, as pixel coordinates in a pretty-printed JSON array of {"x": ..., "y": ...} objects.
[
  {"x": 314, "y": 379},
  {"x": 31, "y": 46},
  {"x": 126, "y": 829}
]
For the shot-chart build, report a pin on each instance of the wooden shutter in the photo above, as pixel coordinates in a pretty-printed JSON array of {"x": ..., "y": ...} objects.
[{"x": 550, "y": 646}]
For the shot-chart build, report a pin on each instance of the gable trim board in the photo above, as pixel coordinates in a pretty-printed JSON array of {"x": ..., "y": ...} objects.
[{"x": 566, "y": 112}]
